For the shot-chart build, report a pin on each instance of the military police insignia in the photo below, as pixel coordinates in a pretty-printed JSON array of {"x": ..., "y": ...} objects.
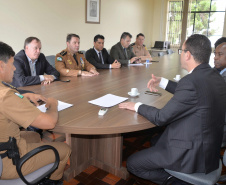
[
  {"x": 63, "y": 53},
  {"x": 59, "y": 59},
  {"x": 69, "y": 61}
]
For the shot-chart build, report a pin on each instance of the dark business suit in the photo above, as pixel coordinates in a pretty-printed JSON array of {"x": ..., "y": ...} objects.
[
  {"x": 93, "y": 58},
  {"x": 224, "y": 136},
  {"x": 224, "y": 76},
  {"x": 118, "y": 53},
  {"x": 22, "y": 74},
  {"x": 195, "y": 117}
]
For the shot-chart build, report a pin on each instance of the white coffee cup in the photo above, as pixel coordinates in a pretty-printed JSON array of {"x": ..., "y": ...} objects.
[
  {"x": 134, "y": 91},
  {"x": 177, "y": 77}
]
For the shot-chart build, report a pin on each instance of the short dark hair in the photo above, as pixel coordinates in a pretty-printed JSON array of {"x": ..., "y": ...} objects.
[
  {"x": 219, "y": 41},
  {"x": 200, "y": 47},
  {"x": 98, "y": 37},
  {"x": 70, "y": 35},
  {"x": 125, "y": 34},
  {"x": 29, "y": 40},
  {"x": 140, "y": 34},
  {"x": 6, "y": 52}
]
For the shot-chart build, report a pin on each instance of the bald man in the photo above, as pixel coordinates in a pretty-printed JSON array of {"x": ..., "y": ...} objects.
[{"x": 220, "y": 59}]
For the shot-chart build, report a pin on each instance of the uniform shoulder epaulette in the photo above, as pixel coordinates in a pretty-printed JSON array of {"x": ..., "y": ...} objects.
[
  {"x": 80, "y": 52},
  {"x": 8, "y": 85},
  {"x": 63, "y": 53}
]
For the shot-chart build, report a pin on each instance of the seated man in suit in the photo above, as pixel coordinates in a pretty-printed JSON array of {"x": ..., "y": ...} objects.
[
  {"x": 122, "y": 51},
  {"x": 220, "y": 59},
  {"x": 99, "y": 57},
  {"x": 139, "y": 48},
  {"x": 71, "y": 62},
  {"x": 220, "y": 66},
  {"x": 18, "y": 111},
  {"x": 194, "y": 117},
  {"x": 31, "y": 65},
  {"x": 220, "y": 41}
]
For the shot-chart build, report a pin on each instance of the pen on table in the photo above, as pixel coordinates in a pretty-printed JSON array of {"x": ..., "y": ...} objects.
[
  {"x": 62, "y": 80},
  {"x": 153, "y": 93}
]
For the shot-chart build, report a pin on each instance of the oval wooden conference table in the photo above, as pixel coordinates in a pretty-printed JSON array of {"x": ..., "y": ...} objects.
[{"x": 97, "y": 140}]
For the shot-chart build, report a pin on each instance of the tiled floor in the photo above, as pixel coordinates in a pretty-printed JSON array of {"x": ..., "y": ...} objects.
[{"x": 132, "y": 143}]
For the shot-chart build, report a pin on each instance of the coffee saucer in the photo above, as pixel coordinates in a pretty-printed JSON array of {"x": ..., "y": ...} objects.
[
  {"x": 176, "y": 79},
  {"x": 129, "y": 93}
]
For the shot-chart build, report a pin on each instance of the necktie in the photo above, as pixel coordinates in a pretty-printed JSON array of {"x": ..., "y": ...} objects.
[
  {"x": 100, "y": 57},
  {"x": 125, "y": 52},
  {"x": 74, "y": 56}
]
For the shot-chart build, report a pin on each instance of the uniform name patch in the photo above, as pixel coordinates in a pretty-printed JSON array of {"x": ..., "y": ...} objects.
[
  {"x": 19, "y": 95},
  {"x": 59, "y": 59}
]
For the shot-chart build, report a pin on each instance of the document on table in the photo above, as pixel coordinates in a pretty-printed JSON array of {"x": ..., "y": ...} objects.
[
  {"x": 140, "y": 64},
  {"x": 61, "y": 106},
  {"x": 108, "y": 100}
]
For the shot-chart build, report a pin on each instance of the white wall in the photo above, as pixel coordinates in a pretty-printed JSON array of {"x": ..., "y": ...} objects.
[{"x": 52, "y": 20}]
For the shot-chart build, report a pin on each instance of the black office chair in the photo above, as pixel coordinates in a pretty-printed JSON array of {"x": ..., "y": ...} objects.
[
  {"x": 34, "y": 177},
  {"x": 160, "y": 54}
]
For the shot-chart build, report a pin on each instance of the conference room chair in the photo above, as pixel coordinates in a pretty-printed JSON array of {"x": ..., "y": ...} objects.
[
  {"x": 211, "y": 178},
  {"x": 34, "y": 177},
  {"x": 51, "y": 60},
  {"x": 169, "y": 51},
  {"x": 83, "y": 51},
  {"x": 160, "y": 54}
]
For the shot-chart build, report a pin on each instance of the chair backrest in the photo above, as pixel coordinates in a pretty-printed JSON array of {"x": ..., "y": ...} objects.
[
  {"x": 169, "y": 51},
  {"x": 160, "y": 54},
  {"x": 0, "y": 166},
  {"x": 84, "y": 52},
  {"x": 51, "y": 60}
]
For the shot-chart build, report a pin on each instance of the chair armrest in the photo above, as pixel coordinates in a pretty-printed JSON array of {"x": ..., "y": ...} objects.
[{"x": 31, "y": 154}]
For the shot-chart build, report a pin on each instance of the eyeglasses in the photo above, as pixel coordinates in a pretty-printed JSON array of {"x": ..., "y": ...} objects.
[{"x": 180, "y": 51}]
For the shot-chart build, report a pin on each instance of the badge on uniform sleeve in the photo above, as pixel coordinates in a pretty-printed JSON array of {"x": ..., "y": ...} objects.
[
  {"x": 59, "y": 59},
  {"x": 19, "y": 95}
]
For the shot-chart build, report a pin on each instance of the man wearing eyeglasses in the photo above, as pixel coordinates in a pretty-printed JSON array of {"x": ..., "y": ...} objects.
[{"x": 194, "y": 117}]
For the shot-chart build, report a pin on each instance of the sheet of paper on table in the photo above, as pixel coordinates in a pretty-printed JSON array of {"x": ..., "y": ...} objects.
[
  {"x": 140, "y": 64},
  {"x": 61, "y": 106},
  {"x": 108, "y": 100}
]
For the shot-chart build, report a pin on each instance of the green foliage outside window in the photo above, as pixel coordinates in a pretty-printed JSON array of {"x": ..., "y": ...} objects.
[{"x": 201, "y": 19}]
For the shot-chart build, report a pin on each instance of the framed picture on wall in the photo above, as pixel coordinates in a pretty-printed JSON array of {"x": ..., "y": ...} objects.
[{"x": 93, "y": 11}]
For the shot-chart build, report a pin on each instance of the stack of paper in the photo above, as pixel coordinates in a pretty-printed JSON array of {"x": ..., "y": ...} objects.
[
  {"x": 109, "y": 100},
  {"x": 61, "y": 106}
]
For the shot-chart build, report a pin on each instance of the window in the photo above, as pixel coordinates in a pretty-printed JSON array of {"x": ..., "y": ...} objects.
[
  {"x": 206, "y": 17},
  {"x": 175, "y": 15}
]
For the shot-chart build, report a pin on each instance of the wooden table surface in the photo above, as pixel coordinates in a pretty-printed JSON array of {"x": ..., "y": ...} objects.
[
  {"x": 83, "y": 117},
  {"x": 97, "y": 140}
]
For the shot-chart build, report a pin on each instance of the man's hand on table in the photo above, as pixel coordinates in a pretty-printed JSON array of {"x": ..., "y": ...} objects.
[{"x": 127, "y": 105}]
